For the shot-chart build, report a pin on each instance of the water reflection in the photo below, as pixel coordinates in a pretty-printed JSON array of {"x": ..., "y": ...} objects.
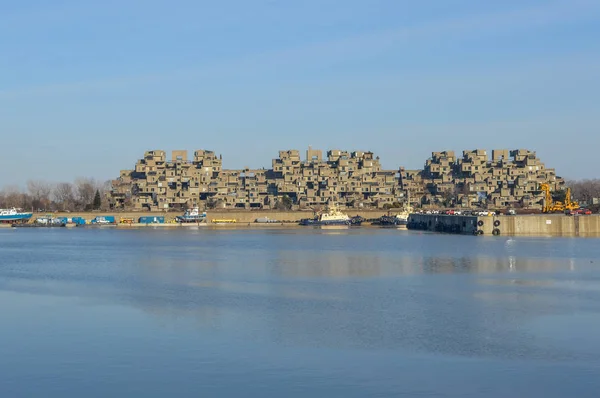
[
  {"x": 373, "y": 290},
  {"x": 332, "y": 264},
  {"x": 342, "y": 299}
]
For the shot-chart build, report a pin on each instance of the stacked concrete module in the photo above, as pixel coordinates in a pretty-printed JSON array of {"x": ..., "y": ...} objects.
[
  {"x": 345, "y": 178},
  {"x": 509, "y": 179},
  {"x": 350, "y": 179}
]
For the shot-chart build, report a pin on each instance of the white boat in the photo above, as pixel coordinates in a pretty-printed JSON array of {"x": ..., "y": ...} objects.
[
  {"x": 13, "y": 215},
  {"x": 265, "y": 220},
  {"x": 330, "y": 217},
  {"x": 50, "y": 220},
  {"x": 398, "y": 220},
  {"x": 191, "y": 216},
  {"x": 402, "y": 217}
]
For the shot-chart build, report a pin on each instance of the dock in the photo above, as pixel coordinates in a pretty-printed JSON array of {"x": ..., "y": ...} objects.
[{"x": 527, "y": 225}]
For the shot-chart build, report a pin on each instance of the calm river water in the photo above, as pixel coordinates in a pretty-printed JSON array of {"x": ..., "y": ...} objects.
[{"x": 296, "y": 313}]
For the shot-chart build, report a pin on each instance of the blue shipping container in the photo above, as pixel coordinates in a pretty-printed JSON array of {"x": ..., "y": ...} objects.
[
  {"x": 152, "y": 220},
  {"x": 78, "y": 220},
  {"x": 104, "y": 220}
]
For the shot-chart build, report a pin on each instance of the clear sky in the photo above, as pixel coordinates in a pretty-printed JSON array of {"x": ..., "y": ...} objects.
[{"x": 86, "y": 87}]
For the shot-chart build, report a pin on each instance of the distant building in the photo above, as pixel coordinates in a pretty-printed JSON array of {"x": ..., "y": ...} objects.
[
  {"x": 509, "y": 179},
  {"x": 350, "y": 179}
]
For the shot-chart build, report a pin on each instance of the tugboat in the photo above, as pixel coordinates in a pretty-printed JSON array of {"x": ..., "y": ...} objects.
[
  {"x": 191, "y": 216},
  {"x": 398, "y": 220},
  {"x": 388, "y": 221},
  {"x": 14, "y": 215},
  {"x": 331, "y": 217},
  {"x": 402, "y": 217},
  {"x": 356, "y": 220}
]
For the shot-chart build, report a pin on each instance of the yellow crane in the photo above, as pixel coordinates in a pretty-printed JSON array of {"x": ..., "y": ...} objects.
[{"x": 550, "y": 206}]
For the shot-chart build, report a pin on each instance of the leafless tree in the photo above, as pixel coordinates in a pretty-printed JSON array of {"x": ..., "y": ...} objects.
[
  {"x": 40, "y": 193},
  {"x": 85, "y": 189},
  {"x": 104, "y": 188},
  {"x": 585, "y": 190},
  {"x": 64, "y": 195},
  {"x": 11, "y": 196}
]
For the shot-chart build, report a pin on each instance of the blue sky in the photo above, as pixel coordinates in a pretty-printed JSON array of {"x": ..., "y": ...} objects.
[{"x": 87, "y": 87}]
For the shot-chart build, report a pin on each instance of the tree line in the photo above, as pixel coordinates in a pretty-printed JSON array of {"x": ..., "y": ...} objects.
[
  {"x": 83, "y": 194},
  {"x": 585, "y": 190}
]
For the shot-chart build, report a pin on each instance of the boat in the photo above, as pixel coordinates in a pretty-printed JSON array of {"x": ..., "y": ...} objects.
[
  {"x": 48, "y": 221},
  {"x": 387, "y": 221},
  {"x": 265, "y": 220},
  {"x": 402, "y": 217},
  {"x": 191, "y": 216},
  {"x": 356, "y": 220},
  {"x": 391, "y": 221},
  {"x": 398, "y": 220},
  {"x": 14, "y": 215},
  {"x": 330, "y": 217}
]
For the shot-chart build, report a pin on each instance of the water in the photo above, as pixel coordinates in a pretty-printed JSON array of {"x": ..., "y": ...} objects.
[{"x": 295, "y": 313}]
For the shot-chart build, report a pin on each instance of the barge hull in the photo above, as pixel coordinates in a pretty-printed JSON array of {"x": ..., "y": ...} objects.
[{"x": 511, "y": 225}]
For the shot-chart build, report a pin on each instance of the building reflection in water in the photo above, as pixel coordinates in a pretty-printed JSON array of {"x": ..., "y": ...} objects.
[
  {"x": 364, "y": 290},
  {"x": 333, "y": 298}
]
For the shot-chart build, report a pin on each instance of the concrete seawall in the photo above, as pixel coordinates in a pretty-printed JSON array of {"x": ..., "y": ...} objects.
[{"x": 532, "y": 225}]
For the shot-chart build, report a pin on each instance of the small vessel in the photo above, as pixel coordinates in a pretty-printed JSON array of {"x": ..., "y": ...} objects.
[
  {"x": 356, "y": 220},
  {"x": 330, "y": 217},
  {"x": 14, "y": 215},
  {"x": 388, "y": 221},
  {"x": 265, "y": 220},
  {"x": 398, "y": 220},
  {"x": 402, "y": 217},
  {"x": 48, "y": 221},
  {"x": 191, "y": 216}
]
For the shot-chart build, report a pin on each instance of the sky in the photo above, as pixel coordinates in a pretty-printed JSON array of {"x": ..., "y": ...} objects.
[{"x": 87, "y": 87}]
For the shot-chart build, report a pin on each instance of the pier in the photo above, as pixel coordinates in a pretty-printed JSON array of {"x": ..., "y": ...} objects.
[{"x": 531, "y": 224}]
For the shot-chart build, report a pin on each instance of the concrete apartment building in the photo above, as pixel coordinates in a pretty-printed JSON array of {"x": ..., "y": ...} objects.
[
  {"x": 350, "y": 179},
  {"x": 508, "y": 179}
]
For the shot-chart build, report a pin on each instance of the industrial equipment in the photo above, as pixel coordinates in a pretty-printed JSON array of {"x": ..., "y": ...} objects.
[{"x": 550, "y": 206}]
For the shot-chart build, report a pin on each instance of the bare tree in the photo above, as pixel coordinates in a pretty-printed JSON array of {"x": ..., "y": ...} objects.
[
  {"x": 85, "y": 189},
  {"x": 585, "y": 190},
  {"x": 104, "y": 188},
  {"x": 11, "y": 196},
  {"x": 64, "y": 195},
  {"x": 40, "y": 193}
]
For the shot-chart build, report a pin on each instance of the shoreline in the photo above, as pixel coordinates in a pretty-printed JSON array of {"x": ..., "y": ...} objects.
[
  {"x": 240, "y": 216},
  {"x": 542, "y": 225},
  {"x": 539, "y": 233}
]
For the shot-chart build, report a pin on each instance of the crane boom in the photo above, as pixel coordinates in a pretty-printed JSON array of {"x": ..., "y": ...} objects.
[{"x": 550, "y": 206}]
